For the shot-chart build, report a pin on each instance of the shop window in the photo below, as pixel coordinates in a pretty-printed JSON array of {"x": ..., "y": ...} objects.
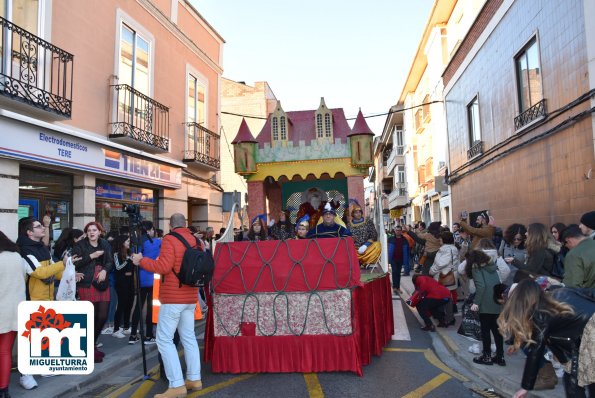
[
  {"x": 43, "y": 193},
  {"x": 110, "y": 201}
]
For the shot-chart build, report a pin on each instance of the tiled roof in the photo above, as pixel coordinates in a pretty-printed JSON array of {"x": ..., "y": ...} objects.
[
  {"x": 360, "y": 127},
  {"x": 244, "y": 134},
  {"x": 302, "y": 126}
]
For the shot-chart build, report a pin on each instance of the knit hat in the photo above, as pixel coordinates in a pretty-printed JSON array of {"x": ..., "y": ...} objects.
[{"x": 588, "y": 220}]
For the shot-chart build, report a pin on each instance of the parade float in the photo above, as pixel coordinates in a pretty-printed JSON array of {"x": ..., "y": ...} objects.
[{"x": 300, "y": 305}]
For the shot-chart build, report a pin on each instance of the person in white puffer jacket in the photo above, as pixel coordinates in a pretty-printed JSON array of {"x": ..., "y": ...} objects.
[
  {"x": 446, "y": 260},
  {"x": 487, "y": 246}
]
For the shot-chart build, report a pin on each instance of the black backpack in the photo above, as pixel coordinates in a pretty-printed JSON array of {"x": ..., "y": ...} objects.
[{"x": 197, "y": 265}]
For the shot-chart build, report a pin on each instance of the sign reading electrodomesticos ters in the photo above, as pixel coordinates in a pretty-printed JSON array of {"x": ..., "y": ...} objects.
[{"x": 56, "y": 337}]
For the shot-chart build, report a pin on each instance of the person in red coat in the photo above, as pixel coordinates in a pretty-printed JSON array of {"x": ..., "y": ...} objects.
[
  {"x": 430, "y": 298},
  {"x": 177, "y": 310}
]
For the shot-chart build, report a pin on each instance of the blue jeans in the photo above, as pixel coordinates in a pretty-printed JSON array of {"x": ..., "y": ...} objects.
[
  {"x": 113, "y": 304},
  {"x": 180, "y": 317}
]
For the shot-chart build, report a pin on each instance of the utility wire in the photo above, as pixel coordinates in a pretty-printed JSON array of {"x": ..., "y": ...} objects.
[{"x": 349, "y": 118}]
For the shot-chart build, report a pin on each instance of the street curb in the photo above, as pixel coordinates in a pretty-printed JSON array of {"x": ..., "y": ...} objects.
[
  {"x": 114, "y": 363},
  {"x": 502, "y": 386},
  {"x": 453, "y": 350}
]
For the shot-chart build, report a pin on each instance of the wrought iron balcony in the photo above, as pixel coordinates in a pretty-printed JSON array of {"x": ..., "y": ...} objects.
[
  {"x": 532, "y": 113},
  {"x": 139, "y": 121},
  {"x": 475, "y": 150},
  {"x": 34, "y": 71},
  {"x": 203, "y": 146}
]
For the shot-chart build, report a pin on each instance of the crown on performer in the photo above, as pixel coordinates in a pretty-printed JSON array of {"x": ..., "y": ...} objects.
[
  {"x": 329, "y": 209},
  {"x": 304, "y": 221}
]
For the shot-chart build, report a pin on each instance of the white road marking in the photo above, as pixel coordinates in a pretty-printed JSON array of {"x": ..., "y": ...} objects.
[{"x": 401, "y": 329}]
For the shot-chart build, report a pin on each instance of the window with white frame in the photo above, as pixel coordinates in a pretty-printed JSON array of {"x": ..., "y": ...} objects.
[
  {"x": 328, "y": 126},
  {"x": 399, "y": 140},
  {"x": 275, "y": 129},
  {"x": 23, "y": 13},
  {"x": 283, "y": 125},
  {"x": 319, "y": 131},
  {"x": 473, "y": 122},
  {"x": 134, "y": 60},
  {"x": 196, "y": 113},
  {"x": 400, "y": 174},
  {"x": 528, "y": 74}
]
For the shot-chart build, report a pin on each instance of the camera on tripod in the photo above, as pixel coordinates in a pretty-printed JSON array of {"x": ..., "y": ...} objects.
[{"x": 133, "y": 211}]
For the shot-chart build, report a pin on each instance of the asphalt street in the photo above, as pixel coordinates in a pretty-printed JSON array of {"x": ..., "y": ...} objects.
[{"x": 409, "y": 367}]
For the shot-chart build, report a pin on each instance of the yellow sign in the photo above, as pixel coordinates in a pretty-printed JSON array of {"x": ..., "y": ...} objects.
[{"x": 396, "y": 213}]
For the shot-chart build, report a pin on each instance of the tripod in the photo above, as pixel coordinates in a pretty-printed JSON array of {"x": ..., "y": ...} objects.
[{"x": 135, "y": 247}]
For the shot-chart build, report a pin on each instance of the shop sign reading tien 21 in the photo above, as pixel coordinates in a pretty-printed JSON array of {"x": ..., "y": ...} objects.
[
  {"x": 52, "y": 147},
  {"x": 56, "y": 337}
]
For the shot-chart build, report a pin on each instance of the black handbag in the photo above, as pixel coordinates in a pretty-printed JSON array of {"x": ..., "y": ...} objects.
[{"x": 101, "y": 286}]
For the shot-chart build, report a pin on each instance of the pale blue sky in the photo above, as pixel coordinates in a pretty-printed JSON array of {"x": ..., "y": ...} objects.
[{"x": 353, "y": 53}]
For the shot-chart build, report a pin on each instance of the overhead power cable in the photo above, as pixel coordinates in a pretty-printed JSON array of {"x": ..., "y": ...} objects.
[{"x": 349, "y": 118}]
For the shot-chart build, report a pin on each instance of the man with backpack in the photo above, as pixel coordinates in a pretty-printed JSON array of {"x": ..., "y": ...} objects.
[{"x": 178, "y": 302}]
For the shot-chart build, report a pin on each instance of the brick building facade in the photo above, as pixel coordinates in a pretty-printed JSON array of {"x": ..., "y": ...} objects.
[{"x": 519, "y": 102}]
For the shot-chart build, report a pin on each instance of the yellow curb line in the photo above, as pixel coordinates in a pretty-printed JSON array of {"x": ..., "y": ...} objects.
[
  {"x": 221, "y": 385},
  {"x": 433, "y": 359},
  {"x": 143, "y": 389},
  {"x": 452, "y": 346},
  {"x": 405, "y": 349},
  {"x": 429, "y": 386},
  {"x": 129, "y": 385},
  {"x": 313, "y": 385}
]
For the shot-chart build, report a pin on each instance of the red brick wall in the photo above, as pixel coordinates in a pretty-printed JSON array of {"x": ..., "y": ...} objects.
[{"x": 481, "y": 22}]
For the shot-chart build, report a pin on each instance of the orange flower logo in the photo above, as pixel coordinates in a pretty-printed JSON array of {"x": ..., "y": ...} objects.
[{"x": 43, "y": 319}]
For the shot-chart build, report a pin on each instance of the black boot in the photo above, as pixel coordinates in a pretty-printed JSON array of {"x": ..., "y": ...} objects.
[
  {"x": 484, "y": 359},
  {"x": 4, "y": 393},
  {"x": 499, "y": 360}
]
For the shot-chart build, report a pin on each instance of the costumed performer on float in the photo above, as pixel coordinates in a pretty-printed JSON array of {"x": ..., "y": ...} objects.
[
  {"x": 365, "y": 236},
  {"x": 330, "y": 227},
  {"x": 258, "y": 229},
  {"x": 302, "y": 227},
  {"x": 313, "y": 202}
]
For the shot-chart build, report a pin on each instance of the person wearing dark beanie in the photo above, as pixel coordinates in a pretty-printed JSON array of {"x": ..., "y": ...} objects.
[{"x": 587, "y": 224}]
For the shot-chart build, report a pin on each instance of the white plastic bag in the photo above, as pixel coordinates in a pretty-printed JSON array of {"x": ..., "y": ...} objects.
[{"x": 67, "y": 287}]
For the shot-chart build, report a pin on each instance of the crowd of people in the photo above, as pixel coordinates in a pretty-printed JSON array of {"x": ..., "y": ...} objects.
[
  {"x": 105, "y": 275},
  {"x": 531, "y": 286}
]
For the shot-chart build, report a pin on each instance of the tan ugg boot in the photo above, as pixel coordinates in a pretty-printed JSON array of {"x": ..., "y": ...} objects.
[
  {"x": 178, "y": 392},
  {"x": 546, "y": 378},
  {"x": 193, "y": 385}
]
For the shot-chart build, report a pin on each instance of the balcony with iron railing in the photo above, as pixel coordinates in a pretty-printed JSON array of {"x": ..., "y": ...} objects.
[
  {"x": 475, "y": 150},
  {"x": 533, "y": 113},
  {"x": 138, "y": 120},
  {"x": 34, "y": 72},
  {"x": 203, "y": 147}
]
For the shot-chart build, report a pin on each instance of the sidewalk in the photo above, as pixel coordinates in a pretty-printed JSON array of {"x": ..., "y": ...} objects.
[
  {"x": 118, "y": 353},
  {"x": 505, "y": 380}
]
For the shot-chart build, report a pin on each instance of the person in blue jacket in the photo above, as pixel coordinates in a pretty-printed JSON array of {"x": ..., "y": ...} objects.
[
  {"x": 399, "y": 248},
  {"x": 151, "y": 247}
]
